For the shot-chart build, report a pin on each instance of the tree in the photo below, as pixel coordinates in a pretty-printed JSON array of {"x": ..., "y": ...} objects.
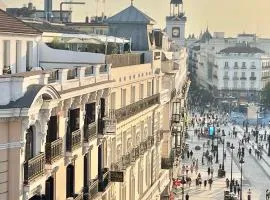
[{"x": 265, "y": 95}]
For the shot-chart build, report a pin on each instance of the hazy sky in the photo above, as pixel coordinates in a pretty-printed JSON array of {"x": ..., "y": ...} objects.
[{"x": 229, "y": 16}]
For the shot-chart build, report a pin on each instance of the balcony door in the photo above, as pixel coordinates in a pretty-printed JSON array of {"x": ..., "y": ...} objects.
[
  {"x": 90, "y": 114},
  {"x": 49, "y": 189},
  {"x": 74, "y": 117},
  {"x": 101, "y": 115},
  {"x": 70, "y": 179},
  {"x": 29, "y": 144},
  {"x": 86, "y": 170},
  {"x": 52, "y": 132}
]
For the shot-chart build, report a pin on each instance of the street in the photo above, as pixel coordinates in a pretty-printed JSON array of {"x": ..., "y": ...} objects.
[{"x": 256, "y": 173}]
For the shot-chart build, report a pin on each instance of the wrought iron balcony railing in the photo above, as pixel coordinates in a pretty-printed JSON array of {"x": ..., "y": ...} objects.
[
  {"x": 53, "y": 150},
  {"x": 132, "y": 109},
  {"x": 93, "y": 188},
  {"x": 78, "y": 196},
  {"x": 73, "y": 140},
  {"x": 90, "y": 132},
  {"x": 34, "y": 168}
]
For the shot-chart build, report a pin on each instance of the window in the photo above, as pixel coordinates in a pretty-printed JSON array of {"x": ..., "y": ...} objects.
[
  {"x": 112, "y": 101},
  {"x": 18, "y": 55},
  {"x": 252, "y": 74},
  {"x": 157, "y": 86},
  {"x": 149, "y": 89},
  {"x": 226, "y": 73},
  {"x": 235, "y": 74},
  {"x": 226, "y": 64},
  {"x": 252, "y": 84},
  {"x": 133, "y": 92},
  {"x": 243, "y": 84},
  {"x": 243, "y": 64},
  {"x": 29, "y": 55},
  {"x": 235, "y": 64},
  {"x": 141, "y": 91},
  {"x": 123, "y": 98},
  {"x": 6, "y": 58},
  {"x": 235, "y": 84},
  {"x": 243, "y": 74},
  {"x": 226, "y": 84}
]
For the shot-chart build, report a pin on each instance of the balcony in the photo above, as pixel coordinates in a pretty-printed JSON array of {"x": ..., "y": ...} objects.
[
  {"x": 34, "y": 168},
  {"x": 53, "y": 150},
  {"x": 235, "y": 78},
  {"x": 143, "y": 147},
  {"x": 150, "y": 142},
  {"x": 159, "y": 136},
  {"x": 166, "y": 163},
  {"x": 252, "y": 67},
  {"x": 169, "y": 66},
  {"x": 135, "y": 108},
  {"x": 126, "y": 160},
  {"x": 226, "y": 67},
  {"x": 90, "y": 132},
  {"x": 252, "y": 78},
  {"x": 243, "y": 78},
  {"x": 244, "y": 67},
  {"x": 104, "y": 180},
  {"x": 73, "y": 140},
  {"x": 93, "y": 188},
  {"x": 236, "y": 67},
  {"x": 226, "y": 78},
  {"x": 78, "y": 196}
]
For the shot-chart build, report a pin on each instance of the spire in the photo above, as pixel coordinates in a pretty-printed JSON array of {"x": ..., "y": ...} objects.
[{"x": 132, "y": 2}]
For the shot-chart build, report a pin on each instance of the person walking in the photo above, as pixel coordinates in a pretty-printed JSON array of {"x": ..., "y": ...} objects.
[
  {"x": 212, "y": 171},
  {"x": 210, "y": 181},
  {"x": 205, "y": 183},
  {"x": 249, "y": 195},
  {"x": 208, "y": 171},
  {"x": 187, "y": 196},
  {"x": 227, "y": 183}
]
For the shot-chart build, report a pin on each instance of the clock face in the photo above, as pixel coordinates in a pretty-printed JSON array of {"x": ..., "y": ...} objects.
[{"x": 176, "y": 32}]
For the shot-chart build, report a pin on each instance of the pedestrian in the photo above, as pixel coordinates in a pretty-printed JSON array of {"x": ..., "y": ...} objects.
[
  {"x": 187, "y": 196},
  {"x": 210, "y": 181},
  {"x": 212, "y": 172},
  {"x": 188, "y": 154},
  {"x": 234, "y": 188},
  {"x": 249, "y": 194},
  {"x": 238, "y": 190},
  {"x": 205, "y": 183},
  {"x": 208, "y": 171},
  {"x": 227, "y": 183},
  {"x": 224, "y": 155},
  {"x": 191, "y": 153}
]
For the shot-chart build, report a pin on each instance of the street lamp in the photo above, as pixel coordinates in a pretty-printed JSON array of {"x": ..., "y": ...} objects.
[
  {"x": 232, "y": 148},
  {"x": 241, "y": 161},
  {"x": 223, "y": 141},
  {"x": 268, "y": 145},
  {"x": 217, "y": 152}
]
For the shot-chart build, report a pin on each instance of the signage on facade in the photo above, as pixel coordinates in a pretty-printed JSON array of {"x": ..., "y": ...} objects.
[{"x": 117, "y": 176}]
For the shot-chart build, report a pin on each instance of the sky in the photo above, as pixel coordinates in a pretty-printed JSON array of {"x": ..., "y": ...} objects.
[{"x": 229, "y": 16}]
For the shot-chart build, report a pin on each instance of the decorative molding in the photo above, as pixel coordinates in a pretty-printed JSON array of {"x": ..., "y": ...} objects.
[{"x": 12, "y": 145}]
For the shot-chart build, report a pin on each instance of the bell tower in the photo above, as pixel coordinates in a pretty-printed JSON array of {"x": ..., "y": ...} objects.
[{"x": 176, "y": 22}]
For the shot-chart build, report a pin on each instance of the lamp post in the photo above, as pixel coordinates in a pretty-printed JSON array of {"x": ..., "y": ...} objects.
[
  {"x": 217, "y": 152},
  {"x": 268, "y": 145},
  {"x": 241, "y": 164},
  {"x": 223, "y": 141},
  {"x": 232, "y": 148}
]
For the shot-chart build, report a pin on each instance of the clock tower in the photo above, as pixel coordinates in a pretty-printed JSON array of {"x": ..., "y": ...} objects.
[{"x": 175, "y": 23}]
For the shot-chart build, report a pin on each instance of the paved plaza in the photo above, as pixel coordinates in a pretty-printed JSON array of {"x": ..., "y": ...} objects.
[{"x": 256, "y": 173}]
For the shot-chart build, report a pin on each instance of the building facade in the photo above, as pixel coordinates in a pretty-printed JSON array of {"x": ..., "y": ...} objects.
[
  {"x": 81, "y": 125},
  {"x": 230, "y": 67}
]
